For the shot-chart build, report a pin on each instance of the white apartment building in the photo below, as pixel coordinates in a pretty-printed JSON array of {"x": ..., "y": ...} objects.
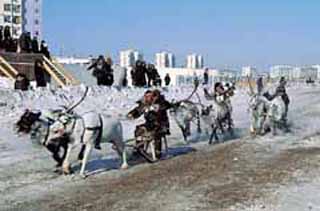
[
  {"x": 22, "y": 16},
  {"x": 278, "y": 71},
  {"x": 309, "y": 72},
  {"x": 11, "y": 15},
  {"x": 195, "y": 61},
  {"x": 165, "y": 60},
  {"x": 249, "y": 71},
  {"x": 318, "y": 70},
  {"x": 129, "y": 57}
]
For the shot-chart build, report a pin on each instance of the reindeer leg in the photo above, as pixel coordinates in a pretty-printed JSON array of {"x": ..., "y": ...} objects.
[
  {"x": 274, "y": 128},
  {"x": 198, "y": 123},
  {"x": 213, "y": 135},
  {"x": 66, "y": 165},
  {"x": 81, "y": 153},
  {"x": 165, "y": 144},
  {"x": 85, "y": 159},
  {"x": 120, "y": 148},
  {"x": 153, "y": 150}
]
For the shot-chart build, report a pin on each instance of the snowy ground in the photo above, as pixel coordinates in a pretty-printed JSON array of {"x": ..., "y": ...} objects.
[{"x": 26, "y": 175}]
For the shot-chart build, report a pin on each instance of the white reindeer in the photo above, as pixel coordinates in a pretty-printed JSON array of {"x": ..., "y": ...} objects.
[
  {"x": 184, "y": 113},
  {"x": 86, "y": 130},
  {"x": 265, "y": 114}
]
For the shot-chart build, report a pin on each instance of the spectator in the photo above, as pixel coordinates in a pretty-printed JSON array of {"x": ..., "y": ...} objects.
[
  {"x": 7, "y": 33},
  {"x": 22, "y": 82},
  {"x": 1, "y": 37},
  {"x": 138, "y": 74},
  {"x": 12, "y": 45},
  {"x": 39, "y": 73},
  {"x": 28, "y": 41},
  {"x": 102, "y": 71},
  {"x": 44, "y": 49},
  {"x": 205, "y": 77},
  {"x": 157, "y": 80},
  {"x": 109, "y": 72},
  {"x": 35, "y": 45},
  {"x": 167, "y": 79},
  {"x": 149, "y": 72},
  {"x": 259, "y": 85}
]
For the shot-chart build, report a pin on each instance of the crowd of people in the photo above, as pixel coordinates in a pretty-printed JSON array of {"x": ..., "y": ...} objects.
[
  {"x": 25, "y": 43},
  {"x": 142, "y": 74}
]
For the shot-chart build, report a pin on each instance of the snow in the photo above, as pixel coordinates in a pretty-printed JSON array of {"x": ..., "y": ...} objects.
[{"x": 27, "y": 167}]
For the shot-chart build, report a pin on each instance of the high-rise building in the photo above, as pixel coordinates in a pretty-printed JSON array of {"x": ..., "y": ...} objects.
[
  {"x": 129, "y": 57},
  {"x": 195, "y": 61},
  {"x": 165, "y": 59},
  {"x": 22, "y": 16},
  {"x": 32, "y": 16}
]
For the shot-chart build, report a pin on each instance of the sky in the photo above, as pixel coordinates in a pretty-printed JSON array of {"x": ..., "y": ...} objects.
[{"x": 228, "y": 33}]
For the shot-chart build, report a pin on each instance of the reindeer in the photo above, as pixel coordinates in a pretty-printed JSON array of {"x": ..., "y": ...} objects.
[
  {"x": 71, "y": 130},
  {"x": 85, "y": 130},
  {"x": 185, "y": 112},
  {"x": 265, "y": 115}
]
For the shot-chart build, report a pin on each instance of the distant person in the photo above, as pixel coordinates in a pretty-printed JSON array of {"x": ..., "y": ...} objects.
[
  {"x": 281, "y": 91},
  {"x": 21, "y": 82},
  {"x": 39, "y": 73},
  {"x": 1, "y": 38},
  {"x": 205, "y": 77},
  {"x": 28, "y": 41},
  {"x": 260, "y": 85},
  {"x": 11, "y": 45},
  {"x": 44, "y": 49},
  {"x": 7, "y": 33},
  {"x": 138, "y": 74},
  {"x": 102, "y": 71},
  {"x": 35, "y": 45},
  {"x": 167, "y": 79},
  {"x": 196, "y": 81},
  {"x": 109, "y": 72},
  {"x": 7, "y": 41},
  {"x": 22, "y": 43},
  {"x": 150, "y": 75}
]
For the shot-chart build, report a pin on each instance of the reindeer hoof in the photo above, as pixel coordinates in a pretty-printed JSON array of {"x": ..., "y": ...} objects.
[
  {"x": 124, "y": 166},
  {"x": 83, "y": 176},
  {"x": 67, "y": 170}
]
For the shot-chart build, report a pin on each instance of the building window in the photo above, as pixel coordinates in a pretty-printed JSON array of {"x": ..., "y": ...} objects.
[
  {"x": 7, "y": 19},
  {"x": 36, "y": 11},
  {"x": 36, "y": 22},
  {"x": 16, "y": 8},
  {"x": 37, "y": 33},
  {"x": 16, "y": 20},
  {"x": 7, "y": 7}
]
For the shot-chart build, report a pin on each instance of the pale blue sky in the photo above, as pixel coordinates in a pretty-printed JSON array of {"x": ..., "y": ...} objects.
[{"x": 226, "y": 32}]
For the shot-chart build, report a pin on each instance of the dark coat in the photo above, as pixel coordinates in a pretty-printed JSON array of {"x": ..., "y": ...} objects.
[
  {"x": 22, "y": 84},
  {"x": 205, "y": 78},
  {"x": 35, "y": 46},
  {"x": 167, "y": 80},
  {"x": 139, "y": 76},
  {"x": 40, "y": 76},
  {"x": 45, "y": 51},
  {"x": 103, "y": 74}
]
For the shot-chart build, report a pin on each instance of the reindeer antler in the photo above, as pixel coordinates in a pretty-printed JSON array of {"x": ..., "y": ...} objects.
[{"x": 68, "y": 110}]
